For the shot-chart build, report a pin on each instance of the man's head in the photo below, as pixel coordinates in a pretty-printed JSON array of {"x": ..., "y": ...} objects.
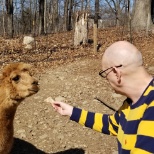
[
  {"x": 125, "y": 55},
  {"x": 121, "y": 52}
]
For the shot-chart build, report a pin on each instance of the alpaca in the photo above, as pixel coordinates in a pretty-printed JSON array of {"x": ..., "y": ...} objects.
[{"x": 16, "y": 83}]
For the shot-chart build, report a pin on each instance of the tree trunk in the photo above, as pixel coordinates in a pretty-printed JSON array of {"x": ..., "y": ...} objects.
[
  {"x": 152, "y": 10},
  {"x": 118, "y": 13},
  {"x": 35, "y": 17},
  {"x": 141, "y": 15},
  {"x": 41, "y": 17},
  {"x": 87, "y": 7},
  {"x": 55, "y": 16},
  {"x": 70, "y": 15},
  {"x": 96, "y": 25},
  {"x": 129, "y": 20},
  {"x": 82, "y": 5},
  {"x": 45, "y": 16},
  {"x": 30, "y": 22},
  {"x": 9, "y": 9},
  {"x": 22, "y": 17},
  {"x": 66, "y": 14},
  {"x": 115, "y": 8},
  {"x": 4, "y": 31},
  {"x": 81, "y": 31}
]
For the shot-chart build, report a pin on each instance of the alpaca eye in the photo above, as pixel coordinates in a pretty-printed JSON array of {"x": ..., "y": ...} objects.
[{"x": 16, "y": 78}]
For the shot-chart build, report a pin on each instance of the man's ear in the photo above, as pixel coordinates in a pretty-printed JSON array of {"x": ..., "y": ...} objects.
[{"x": 117, "y": 73}]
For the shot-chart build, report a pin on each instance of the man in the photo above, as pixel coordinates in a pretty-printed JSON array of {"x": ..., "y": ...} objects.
[{"x": 133, "y": 123}]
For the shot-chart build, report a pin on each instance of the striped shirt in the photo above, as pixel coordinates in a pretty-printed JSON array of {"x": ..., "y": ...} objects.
[{"x": 133, "y": 124}]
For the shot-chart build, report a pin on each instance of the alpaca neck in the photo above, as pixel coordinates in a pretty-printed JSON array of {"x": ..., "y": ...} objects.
[
  {"x": 7, "y": 106},
  {"x": 7, "y": 114},
  {"x": 6, "y": 127},
  {"x": 8, "y": 109}
]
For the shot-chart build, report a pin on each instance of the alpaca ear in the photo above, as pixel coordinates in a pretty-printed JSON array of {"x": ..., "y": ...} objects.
[{"x": 26, "y": 67}]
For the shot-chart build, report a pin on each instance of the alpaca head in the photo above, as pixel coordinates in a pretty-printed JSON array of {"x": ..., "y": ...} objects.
[{"x": 17, "y": 81}]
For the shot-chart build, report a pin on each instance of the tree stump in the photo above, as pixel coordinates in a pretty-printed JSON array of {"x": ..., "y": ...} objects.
[{"x": 81, "y": 29}]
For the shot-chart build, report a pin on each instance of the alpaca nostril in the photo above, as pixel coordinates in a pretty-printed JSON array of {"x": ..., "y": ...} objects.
[{"x": 35, "y": 82}]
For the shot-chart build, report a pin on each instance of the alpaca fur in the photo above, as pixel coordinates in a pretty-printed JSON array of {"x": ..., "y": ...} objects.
[{"x": 16, "y": 83}]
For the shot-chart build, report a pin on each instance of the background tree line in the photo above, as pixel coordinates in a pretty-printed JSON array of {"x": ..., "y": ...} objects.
[{"x": 18, "y": 17}]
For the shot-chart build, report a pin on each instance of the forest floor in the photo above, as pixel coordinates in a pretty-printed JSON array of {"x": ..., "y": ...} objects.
[{"x": 69, "y": 74}]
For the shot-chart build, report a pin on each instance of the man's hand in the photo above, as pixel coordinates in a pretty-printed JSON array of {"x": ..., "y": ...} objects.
[{"x": 62, "y": 108}]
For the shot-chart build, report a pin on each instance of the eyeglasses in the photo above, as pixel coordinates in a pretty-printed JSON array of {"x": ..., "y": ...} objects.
[{"x": 103, "y": 72}]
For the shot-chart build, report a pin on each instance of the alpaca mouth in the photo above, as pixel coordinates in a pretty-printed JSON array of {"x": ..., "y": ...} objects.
[{"x": 34, "y": 90}]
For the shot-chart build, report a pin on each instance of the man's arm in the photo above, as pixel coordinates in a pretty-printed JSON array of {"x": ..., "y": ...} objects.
[
  {"x": 107, "y": 124},
  {"x": 103, "y": 123}
]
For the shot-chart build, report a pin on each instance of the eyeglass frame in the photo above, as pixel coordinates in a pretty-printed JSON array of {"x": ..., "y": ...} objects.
[{"x": 103, "y": 71}]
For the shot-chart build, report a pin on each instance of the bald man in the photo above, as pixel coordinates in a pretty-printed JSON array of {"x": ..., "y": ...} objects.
[{"x": 133, "y": 123}]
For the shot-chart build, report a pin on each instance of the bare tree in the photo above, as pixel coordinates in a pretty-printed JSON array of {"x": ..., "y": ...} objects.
[
  {"x": 9, "y": 10},
  {"x": 87, "y": 7},
  {"x": 70, "y": 14},
  {"x": 129, "y": 20},
  {"x": 35, "y": 18},
  {"x": 45, "y": 16},
  {"x": 55, "y": 19},
  {"x": 116, "y": 7},
  {"x": 66, "y": 2},
  {"x": 82, "y": 5},
  {"x": 31, "y": 16},
  {"x": 41, "y": 17},
  {"x": 152, "y": 10},
  {"x": 4, "y": 31},
  {"x": 142, "y": 15},
  {"x": 96, "y": 25},
  {"x": 23, "y": 17}
]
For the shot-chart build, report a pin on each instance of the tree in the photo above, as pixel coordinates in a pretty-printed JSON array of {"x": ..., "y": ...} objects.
[
  {"x": 96, "y": 25},
  {"x": 152, "y": 10},
  {"x": 45, "y": 16},
  {"x": 70, "y": 14},
  {"x": 22, "y": 16},
  {"x": 4, "y": 31},
  {"x": 41, "y": 17},
  {"x": 55, "y": 19},
  {"x": 66, "y": 2},
  {"x": 9, "y": 10},
  {"x": 26, "y": 16},
  {"x": 35, "y": 17},
  {"x": 142, "y": 15},
  {"x": 129, "y": 20},
  {"x": 116, "y": 9},
  {"x": 81, "y": 28}
]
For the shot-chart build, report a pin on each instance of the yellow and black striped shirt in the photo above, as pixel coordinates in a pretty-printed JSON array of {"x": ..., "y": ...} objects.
[{"x": 132, "y": 124}]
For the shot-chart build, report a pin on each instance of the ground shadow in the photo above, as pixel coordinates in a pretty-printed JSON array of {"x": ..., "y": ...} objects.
[
  {"x": 71, "y": 151},
  {"x": 23, "y": 147}
]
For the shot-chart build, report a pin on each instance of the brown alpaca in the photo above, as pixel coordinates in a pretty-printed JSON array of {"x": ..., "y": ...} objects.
[{"x": 16, "y": 83}]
